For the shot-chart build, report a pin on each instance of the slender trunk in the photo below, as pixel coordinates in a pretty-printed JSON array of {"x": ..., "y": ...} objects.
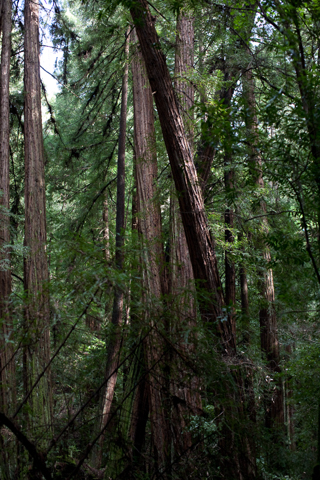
[
  {"x": 114, "y": 347},
  {"x": 184, "y": 386},
  {"x": 152, "y": 257},
  {"x": 230, "y": 273},
  {"x": 290, "y": 407},
  {"x": 106, "y": 234},
  {"x": 229, "y": 263},
  {"x": 241, "y": 437},
  {"x": 244, "y": 299},
  {"x": 139, "y": 414},
  {"x": 200, "y": 244},
  {"x": 36, "y": 277},
  {"x": 267, "y": 315},
  {"x": 206, "y": 151}
]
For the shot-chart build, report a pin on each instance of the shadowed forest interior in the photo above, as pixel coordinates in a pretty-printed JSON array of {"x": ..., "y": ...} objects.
[{"x": 160, "y": 240}]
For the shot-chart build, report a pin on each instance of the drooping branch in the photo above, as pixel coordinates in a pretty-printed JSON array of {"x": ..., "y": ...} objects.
[{"x": 39, "y": 461}]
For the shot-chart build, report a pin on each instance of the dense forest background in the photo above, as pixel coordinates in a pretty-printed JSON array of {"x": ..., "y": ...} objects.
[{"x": 160, "y": 240}]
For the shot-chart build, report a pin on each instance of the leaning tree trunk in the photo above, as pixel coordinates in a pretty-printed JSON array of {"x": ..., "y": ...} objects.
[
  {"x": 7, "y": 364},
  {"x": 185, "y": 386},
  {"x": 152, "y": 262},
  {"x": 36, "y": 277},
  {"x": 194, "y": 219},
  {"x": 200, "y": 244},
  {"x": 114, "y": 347}
]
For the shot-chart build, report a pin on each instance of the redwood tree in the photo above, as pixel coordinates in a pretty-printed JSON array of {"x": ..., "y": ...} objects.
[
  {"x": 7, "y": 361},
  {"x": 152, "y": 258},
  {"x": 200, "y": 244},
  {"x": 7, "y": 380},
  {"x": 36, "y": 276},
  {"x": 185, "y": 385}
]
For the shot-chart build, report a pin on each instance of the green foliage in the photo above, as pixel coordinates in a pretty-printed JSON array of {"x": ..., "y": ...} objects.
[{"x": 81, "y": 142}]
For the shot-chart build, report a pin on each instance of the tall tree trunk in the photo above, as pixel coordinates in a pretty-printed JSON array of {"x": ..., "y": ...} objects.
[
  {"x": 267, "y": 315},
  {"x": 184, "y": 386},
  {"x": 191, "y": 204},
  {"x": 244, "y": 299},
  {"x": 152, "y": 255},
  {"x": 114, "y": 347},
  {"x": 36, "y": 277},
  {"x": 290, "y": 406},
  {"x": 7, "y": 370},
  {"x": 240, "y": 437},
  {"x": 7, "y": 363},
  {"x": 140, "y": 404},
  {"x": 230, "y": 273},
  {"x": 200, "y": 244},
  {"x": 106, "y": 234}
]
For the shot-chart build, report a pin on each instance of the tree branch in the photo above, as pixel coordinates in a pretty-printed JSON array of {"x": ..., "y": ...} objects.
[{"x": 39, "y": 461}]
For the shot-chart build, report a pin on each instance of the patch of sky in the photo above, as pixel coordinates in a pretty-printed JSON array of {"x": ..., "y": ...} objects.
[{"x": 49, "y": 56}]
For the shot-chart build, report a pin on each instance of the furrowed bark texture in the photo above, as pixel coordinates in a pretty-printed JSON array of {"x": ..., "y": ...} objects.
[
  {"x": 152, "y": 256},
  {"x": 7, "y": 369},
  {"x": 191, "y": 204},
  {"x": 140, "y": 403},
  {"x": 114, "y": 347},
  {"x": 185, "y": 386},
  {"x": 36, "y": 277},
  {"x": 7, "y": 364},
  {"x": 195, "y": 224}
]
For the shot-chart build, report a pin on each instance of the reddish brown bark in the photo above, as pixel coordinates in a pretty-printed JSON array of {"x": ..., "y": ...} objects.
[
  {"x": 185, "y": 386},
  {"x": 152, "y": 261},
  {"x": 36, "y": 277},
  {"x": 140, "y": 403},
  {"x": 191, "y": 204},
  {"x": 194, "y": 219},
  {"x": 7, "y": 370},
  {"x": 7, "y": 361}
]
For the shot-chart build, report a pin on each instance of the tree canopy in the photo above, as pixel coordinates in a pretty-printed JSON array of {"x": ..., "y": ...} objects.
[{"x": 160, "y": 240}]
